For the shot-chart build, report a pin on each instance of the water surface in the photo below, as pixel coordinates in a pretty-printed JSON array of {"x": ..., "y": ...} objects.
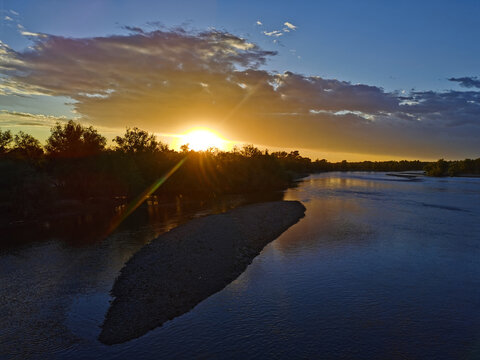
[{"x": 380, "y": 267}]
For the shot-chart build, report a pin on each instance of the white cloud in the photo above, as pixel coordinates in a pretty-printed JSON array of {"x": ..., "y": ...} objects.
[
  {"x": 259, "y": 23},
  {"x": 14, "y": 12},
  {"x": 273, "y": 33},
  {"x": 290, "y": 25},
  {"x": 32, "y": 34},
  {"x": 8, "y": 18}
]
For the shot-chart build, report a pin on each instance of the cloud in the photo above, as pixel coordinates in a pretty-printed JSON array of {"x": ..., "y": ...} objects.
[
  {"x": 290, "y": 25},
  {"x": 273, "y": 33},
  {"x": 8, "y": 18},
  {"x": 277, "y": 33},
  {"x": 168, "y": 80},
  {"x": 32, "y": 34},
  {"x": 259, "y": 23},
  {"x": 33, "y": 116},
  {"x": 468, "y": 82},
  {"x": 23, "y": 31},
  {"x": 17, "y": 118},
  {"x": 14, "y": 12}
]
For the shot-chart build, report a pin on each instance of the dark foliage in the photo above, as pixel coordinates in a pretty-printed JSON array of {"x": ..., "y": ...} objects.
[
  {"x": 5, "y": 140},
  {"x": 77, "y": 169},
  {"x": 136, "y": 140},
  {"x": 27, "y": 147},
  {"x": 453, "y": 168},
  {"x": 73, "y": 140}
]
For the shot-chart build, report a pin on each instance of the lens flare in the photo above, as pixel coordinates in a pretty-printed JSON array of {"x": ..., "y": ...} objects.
[{"x": 134, "y": 204}]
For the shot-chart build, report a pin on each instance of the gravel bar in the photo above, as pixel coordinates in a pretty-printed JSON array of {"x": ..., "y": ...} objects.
[{"x": 184, "y": 266}]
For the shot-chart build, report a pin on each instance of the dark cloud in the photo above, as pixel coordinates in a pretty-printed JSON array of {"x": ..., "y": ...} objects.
[
  {"x": 167, "y": 80},
  {"x": 451, "y": 108},
  {"x": 468, "y": 82}
]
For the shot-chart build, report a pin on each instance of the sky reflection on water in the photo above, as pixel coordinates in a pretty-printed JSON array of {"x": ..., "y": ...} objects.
[{"x": 379, "y": 268}]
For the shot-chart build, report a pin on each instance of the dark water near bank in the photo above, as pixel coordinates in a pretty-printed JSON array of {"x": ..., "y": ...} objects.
[{"x": 379, "y": 268}]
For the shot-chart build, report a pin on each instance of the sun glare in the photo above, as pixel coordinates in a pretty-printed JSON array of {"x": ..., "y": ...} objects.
[{"x": 201, "y": 139}]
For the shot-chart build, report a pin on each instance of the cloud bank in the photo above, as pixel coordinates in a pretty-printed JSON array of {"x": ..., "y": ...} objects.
[
  {"x": 166, "y": 81},
  {"x": 468, "y": 82}
]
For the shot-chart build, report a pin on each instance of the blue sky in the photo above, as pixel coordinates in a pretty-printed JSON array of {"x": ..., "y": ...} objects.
[{"x": 395, "y": 46}]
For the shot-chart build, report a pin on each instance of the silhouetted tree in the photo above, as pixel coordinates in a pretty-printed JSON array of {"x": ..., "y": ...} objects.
[
  {"x": 455, "y": 168},
  {"x": 185, "y": 148},
  {"x": 280, "y": 154},
  {"x": 27, "y": 146},
  {"x": 439, "y": 168},
  {"x": 73, "y": 140},
  {"x": 136, "y": 140},
  {"x": 5, "y": 140},
  {"x": 250, "y": 151}
]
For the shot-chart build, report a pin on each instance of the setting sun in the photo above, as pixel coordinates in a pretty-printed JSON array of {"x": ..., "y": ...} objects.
[{"x": 200, "y": 139}]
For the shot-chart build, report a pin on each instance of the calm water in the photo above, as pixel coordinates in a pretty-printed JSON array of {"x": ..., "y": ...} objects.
[{"x": 379, "y": 268}]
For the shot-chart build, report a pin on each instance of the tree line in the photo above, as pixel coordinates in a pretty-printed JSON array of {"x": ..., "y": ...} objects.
[
  {"x": 75, "y": 164},
  {"x": 453, "y": 168}
]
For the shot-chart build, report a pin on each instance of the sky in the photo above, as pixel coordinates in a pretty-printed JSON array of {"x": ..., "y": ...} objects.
[{"x": 355, "y": 80}]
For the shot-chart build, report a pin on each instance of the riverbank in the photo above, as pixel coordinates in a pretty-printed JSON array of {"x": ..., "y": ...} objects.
[
  {"x": 80, "y": 224},
  {"x": 179, "y": 269}
]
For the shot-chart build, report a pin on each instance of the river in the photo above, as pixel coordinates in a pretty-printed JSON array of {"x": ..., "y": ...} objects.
[{"x": 380, "y": 268}]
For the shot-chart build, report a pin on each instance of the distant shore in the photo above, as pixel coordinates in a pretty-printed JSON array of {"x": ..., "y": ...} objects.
[{"x": 184, "y": 266}]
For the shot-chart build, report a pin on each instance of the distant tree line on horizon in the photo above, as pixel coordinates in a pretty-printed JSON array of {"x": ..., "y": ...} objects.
[
  {"x": 453, "y": 168},
  {"x": 76, "y": 164}
]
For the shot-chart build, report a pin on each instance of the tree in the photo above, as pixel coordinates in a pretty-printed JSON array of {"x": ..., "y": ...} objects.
[
  {"x": 5, "y": 140},
  {"x": 27, "y": 146},
  {"x": 72, "y": 140},
  {"x": 280, "y": 154},
  {"x": 185, "y": 148},
  {"x": 438, "y": 168},
  {"x": 294, "y": 155},
  {"x": 455, "y": 168},
  {"x": 250, "y": 151},
  {"x": 136, "y": 140}
]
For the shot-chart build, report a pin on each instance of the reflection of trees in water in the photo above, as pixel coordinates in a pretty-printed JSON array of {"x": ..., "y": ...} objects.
[{"x": 154, "y": 217}]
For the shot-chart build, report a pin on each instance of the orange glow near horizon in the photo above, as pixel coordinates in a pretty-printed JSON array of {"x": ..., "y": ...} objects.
[{"x": 201, "y": 139}]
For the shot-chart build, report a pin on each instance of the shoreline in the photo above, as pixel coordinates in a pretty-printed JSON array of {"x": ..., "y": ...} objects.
[
  {"x": 87, "y": 223},
  {"x": 186, "y": 265}
]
